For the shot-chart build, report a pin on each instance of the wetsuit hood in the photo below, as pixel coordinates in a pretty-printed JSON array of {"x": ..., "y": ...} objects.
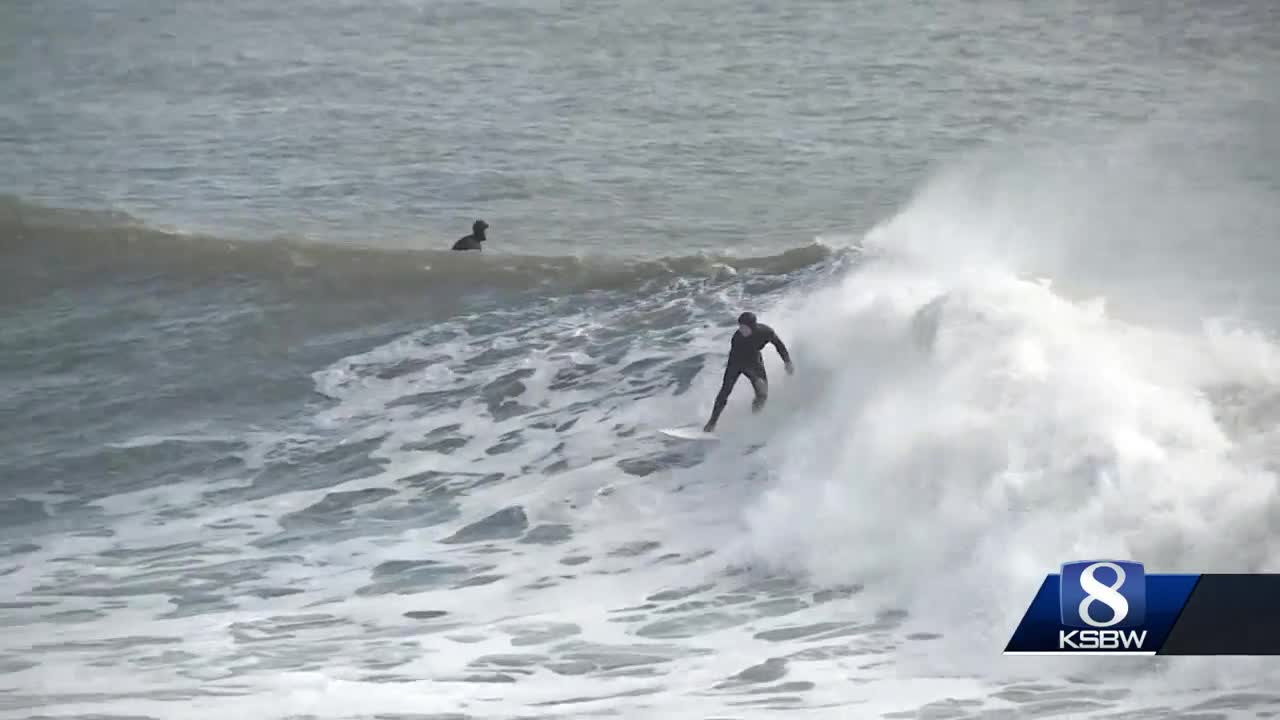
[{"x": 748, "y": 319}]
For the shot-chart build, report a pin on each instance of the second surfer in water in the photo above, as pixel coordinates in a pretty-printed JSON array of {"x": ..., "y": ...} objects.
[
  {"x": 745, "y": 359},
  {"x": 475, "y": 239}
]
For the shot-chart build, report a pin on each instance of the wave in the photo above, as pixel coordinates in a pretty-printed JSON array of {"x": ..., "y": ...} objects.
[
  {"x": 64, "y": 240},
  {"x": 958, "y": 429}
]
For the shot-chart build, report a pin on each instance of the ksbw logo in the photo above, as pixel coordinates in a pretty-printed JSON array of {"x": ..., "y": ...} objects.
[{"x": 1106, "y": 600}]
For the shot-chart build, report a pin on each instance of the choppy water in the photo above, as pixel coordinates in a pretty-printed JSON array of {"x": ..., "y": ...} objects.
[{"x": 269, "y": 451}]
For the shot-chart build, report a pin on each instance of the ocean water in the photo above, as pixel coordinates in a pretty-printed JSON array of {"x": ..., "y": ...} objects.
[{"x": 269, "y": 450}]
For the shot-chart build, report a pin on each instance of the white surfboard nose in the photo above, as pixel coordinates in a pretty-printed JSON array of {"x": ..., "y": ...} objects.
[{"x": 688, "y": 433}]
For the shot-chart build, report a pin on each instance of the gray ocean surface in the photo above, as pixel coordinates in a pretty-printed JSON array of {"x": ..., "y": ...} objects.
[{"x": 269, "y": 450}]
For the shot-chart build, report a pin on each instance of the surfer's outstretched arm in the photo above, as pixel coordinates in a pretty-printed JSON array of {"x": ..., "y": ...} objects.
[{"x": 781, "y": 347}]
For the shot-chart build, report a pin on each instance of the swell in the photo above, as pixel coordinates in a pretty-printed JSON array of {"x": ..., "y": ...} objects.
[{"x": 66, "y": 244}]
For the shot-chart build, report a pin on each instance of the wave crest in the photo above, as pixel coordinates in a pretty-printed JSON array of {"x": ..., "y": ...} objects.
[{"x": 116, "y": 241}]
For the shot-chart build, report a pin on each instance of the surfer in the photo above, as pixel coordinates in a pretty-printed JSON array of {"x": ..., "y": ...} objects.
[
  {"x": 472, "y": 241},
  {"x": 745, "y": 359}
]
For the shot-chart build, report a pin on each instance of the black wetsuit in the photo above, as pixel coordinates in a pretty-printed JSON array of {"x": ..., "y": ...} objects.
[
  {"x": 745, "y": 359},
  {"x": 470, "y": 242}
]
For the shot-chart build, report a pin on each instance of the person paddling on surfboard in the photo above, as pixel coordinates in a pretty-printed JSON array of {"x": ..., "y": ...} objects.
[{"x": 745, "y": 359}]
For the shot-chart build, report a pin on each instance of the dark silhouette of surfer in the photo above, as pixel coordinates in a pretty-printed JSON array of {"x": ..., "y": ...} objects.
[
  {"x": 745, "y": 359},
  {"x": 472, "y": 241}
]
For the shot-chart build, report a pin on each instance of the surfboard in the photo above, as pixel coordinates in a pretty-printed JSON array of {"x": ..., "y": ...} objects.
[{"x": 688, "y": 433}]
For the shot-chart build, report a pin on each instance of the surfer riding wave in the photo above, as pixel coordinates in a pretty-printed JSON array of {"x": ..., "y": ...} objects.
[{"x": 746, "y": 359}]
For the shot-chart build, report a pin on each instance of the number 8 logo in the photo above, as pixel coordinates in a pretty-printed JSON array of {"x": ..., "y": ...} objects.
[{"x": 1105, "y": 594}]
